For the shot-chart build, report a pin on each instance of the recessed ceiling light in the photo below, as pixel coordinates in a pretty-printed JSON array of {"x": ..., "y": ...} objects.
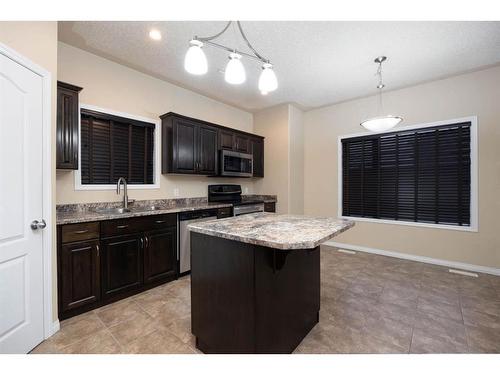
[{"x": 155, "y": 34}]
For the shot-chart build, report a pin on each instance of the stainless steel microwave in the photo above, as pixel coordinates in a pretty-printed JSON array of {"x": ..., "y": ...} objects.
[{"x": 236, "y": 164}]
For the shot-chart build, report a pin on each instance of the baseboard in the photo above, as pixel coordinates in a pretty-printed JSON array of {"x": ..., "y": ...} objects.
[
  {"x": 417, "y": 258},
  {"x": 55, "y": 327}
]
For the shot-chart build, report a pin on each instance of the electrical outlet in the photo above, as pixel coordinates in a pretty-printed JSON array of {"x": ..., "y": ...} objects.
[{"x": 176, "y": 192}]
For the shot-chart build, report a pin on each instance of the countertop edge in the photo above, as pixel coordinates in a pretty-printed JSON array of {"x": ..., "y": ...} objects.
[{"x": 275, "y": 245}]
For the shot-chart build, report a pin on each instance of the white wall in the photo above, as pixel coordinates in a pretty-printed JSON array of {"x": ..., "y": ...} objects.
[
  {"x": 475, "y": 93},
  {"x": 113, "y": 86}
]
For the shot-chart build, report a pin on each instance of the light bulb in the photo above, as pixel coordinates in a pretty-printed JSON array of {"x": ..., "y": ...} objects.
[
  {"x": 380, "y": 124},
  {"x": 264, "y": 92},
  {"x": 267, "y": 80},
  {"x": 195, "y": 61},
  {"x": 235, "y": 72},
  {"x": 155, "y": 34}
]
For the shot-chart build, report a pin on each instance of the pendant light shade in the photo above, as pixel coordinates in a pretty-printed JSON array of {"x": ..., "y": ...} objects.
[
  {"x": 235, "y": 72},
  {"x": 382, "y": 123},
  {"x": 267, "y": 80},
  {"x": 195, "y": 61}
]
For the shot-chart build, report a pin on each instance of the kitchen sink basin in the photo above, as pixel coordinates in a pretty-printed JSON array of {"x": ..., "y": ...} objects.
[
  {"x": 112, "y": 210},
  {"x": 146, "y": 208}
]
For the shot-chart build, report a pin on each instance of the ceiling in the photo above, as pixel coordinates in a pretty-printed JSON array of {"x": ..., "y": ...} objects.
[{"x": 317, "y": 63}]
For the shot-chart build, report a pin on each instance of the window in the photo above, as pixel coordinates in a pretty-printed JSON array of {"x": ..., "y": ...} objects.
[
  {"x": 418, "y": 174},
  {"x": 112, "y": 147}
]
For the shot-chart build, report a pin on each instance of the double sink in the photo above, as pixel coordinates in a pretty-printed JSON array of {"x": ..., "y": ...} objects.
[{"x": 122, "y": 210}]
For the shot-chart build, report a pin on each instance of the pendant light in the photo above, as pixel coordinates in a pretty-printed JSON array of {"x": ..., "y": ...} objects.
[
  {"x": 195, "y": 61},
  {"x": 235, "y": 72},
  {"x": 382, "y": 122},
  {"x": 267, "y": 80}
]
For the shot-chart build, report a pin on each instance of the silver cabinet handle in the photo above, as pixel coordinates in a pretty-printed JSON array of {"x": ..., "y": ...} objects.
[
  {"x": 81, "y": 231},
  {"x": 121, "y": 226},
  {"x": 98, "y": 251},
  {"x": 35, "y": 224},
  {"x": 159, "y": 221},
  {"x": 142, "y": 243},
  {"x": 147, "y": 242}
]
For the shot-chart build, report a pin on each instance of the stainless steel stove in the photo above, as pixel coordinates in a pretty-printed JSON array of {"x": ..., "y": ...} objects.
[{"x": 231, "y": 193}]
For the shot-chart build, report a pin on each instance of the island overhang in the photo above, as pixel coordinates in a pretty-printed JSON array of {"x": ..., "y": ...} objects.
[{"x": 284, "y": 232}]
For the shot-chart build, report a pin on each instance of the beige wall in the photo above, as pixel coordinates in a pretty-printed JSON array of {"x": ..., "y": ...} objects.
[
  {"x": 272, "y": 123},
  {"x": 296, "y": 167},
  {"x": 37, "y": 41},
  {"x": 113, "y": 86},
  {"x": 284, "y": 155},
  {"x": 469, "y": 94}
]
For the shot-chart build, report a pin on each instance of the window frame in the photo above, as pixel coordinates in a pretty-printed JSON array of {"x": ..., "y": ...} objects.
[
  {"x": 156, "y": 152},
  {"x": 474, "y": 222}
]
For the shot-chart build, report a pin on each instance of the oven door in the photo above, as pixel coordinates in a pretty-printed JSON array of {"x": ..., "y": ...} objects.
[{"x": 236, "y": 164}]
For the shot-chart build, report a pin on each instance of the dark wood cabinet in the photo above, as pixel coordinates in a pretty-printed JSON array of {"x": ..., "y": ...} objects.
[
  {"x": 101, "y": 262},
  {"x": 270, "y": 207},
  {"x": 191, "y": 146},
  {"x": 241, "y": 143},
  {"x": 207, "y": 150},
  {"x": 184, "y": 146},
  {"x": 226, "y": 140},
  {"x": 160, "y": 255},
  {"x": 67, "y": 126},
  {"x": 80, "y": 282},
  {"x": 188, "y": 147},
  {"x": 122, "y": 264},
  {"x": 257, "y": 150}
]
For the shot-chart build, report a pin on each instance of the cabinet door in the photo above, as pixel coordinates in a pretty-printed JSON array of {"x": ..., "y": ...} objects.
[
  {"x": 185, "y": 147},
  {"x": 67, "y": 126},
  {"x": 79, "y": 277},
  {"x": 207, "y": 150},
  {"x": 122, "y": 264},
  {"x": 241, "y": 143},
  {"x": 257, "y": 146},
  {"x": 226, "y": 140},
  {"x": 160, "y": 252}
]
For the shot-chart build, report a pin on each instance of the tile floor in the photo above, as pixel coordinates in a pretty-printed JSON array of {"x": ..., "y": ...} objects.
[{"x": 369, "y": 304}]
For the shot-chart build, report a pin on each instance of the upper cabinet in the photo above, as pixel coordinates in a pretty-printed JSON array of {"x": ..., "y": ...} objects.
[
  {"x": 191, "y": 146},
  {"x": 188, "y": 146},
  {"x": 67, "y": 126},
  {"x": 257, "y": 150}
]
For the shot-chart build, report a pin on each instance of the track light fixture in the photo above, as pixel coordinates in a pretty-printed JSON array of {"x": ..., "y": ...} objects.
[{"x": 195, "y": 61}]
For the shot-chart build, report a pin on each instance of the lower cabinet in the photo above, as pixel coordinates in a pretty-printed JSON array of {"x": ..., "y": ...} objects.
[
  {"x": 79, "y": 274},
  {"x": 122, "y": 264},
  {"x": 160, "y": 259},
  {"x": 101, "y": 262}
]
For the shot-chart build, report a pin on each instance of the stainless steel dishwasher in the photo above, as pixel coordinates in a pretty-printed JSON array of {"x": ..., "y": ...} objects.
[{"x": 184, "y": 247}]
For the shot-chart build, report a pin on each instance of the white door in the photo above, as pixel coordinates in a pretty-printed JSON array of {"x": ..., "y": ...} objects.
[{"x": 21, "y": 268}]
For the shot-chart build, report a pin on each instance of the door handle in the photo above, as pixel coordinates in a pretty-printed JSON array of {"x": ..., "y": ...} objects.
[{"x": 35, "y": 224}]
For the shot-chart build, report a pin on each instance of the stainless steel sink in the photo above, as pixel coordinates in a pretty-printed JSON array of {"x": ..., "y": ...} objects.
[
  {"x": 112, "y": 210},
  {"x": 146, "y": 208}
]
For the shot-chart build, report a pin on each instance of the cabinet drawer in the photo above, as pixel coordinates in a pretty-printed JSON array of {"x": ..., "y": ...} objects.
[
  {"x": 121, "y": 226},
  {"x": 224, "y": 212},
  {"x": 159, "y": 221},
  {"x": 79, "y": 232},
  {"x": 270, "y": 207}
]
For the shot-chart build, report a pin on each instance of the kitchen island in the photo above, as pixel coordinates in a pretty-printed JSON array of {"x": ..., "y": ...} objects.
[{"x": 255, "y": 281}]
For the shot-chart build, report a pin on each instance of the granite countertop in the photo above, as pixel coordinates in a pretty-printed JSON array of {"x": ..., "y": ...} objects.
[
  {"x": 86, "y": 212},
  {"x": 285, "y": 232}
]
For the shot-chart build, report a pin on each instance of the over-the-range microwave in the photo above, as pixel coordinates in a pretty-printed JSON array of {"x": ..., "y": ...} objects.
[{"x": 235, "y": 164}]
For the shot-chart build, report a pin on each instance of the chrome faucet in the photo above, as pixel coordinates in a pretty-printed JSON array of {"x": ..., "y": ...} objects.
[{"x": 125, "y": 196}]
